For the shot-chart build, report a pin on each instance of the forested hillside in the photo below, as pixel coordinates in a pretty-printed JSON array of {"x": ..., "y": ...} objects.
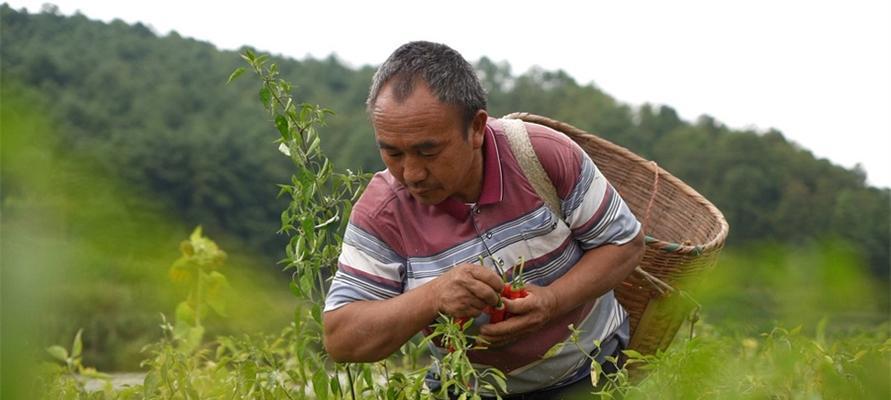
[{"x": 156, "y": 110}]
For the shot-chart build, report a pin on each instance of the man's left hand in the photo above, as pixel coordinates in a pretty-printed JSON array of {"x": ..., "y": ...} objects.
[{"x": 528, "y": 314}]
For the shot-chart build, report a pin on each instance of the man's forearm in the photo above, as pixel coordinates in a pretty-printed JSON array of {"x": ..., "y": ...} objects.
[
  {"x": 597, "y": 272},
  {"x": 366, "y": 331},
  {"x": 372, "y": 330}
]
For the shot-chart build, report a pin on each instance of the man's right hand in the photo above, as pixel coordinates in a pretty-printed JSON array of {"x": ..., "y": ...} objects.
[
  {"x": 466, "y": 290},
  {"x": 369, "y": 331}
]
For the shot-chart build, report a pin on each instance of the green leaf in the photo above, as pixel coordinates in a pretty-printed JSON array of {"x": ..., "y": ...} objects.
[
  {"x": 501, "y": 382},
  {"x": 320, "y": 384},
  {"x": 282, "y": 124},
  {"x": 92, "y": 373},
  {"x": 314, "y": 146},
  {"x": 58, "y": 352},
  {"x": 633, "y": 354},
  {"x": 305, "y": 111},
  {"x": 150, "y": 384},
  {"x": 366, "y": 375},
  {"x": 308, "y": 228},
  {"x": 596, "y": 370},
  {"x": 185, "y": 314},
  {"x": 77, "y": 346},
  {"x": 196, "y": 234},
  {"x": 316, "y": 312},
  {"x": 300, "y": 247},
  {"x": 265, "y": 96},
  {"x": 249, "y": 371},
  {"x": 295, "y": 289},
  {"x": 859, "y": 354},
  {"x": 217, "y": 287},
  {"x": 306, "y": 283},
  {"x": 235, "y": 74},
  {"x": 193, "y": 338},
  {"x": 335, "y": 388},
  {"x": 553, "y": 350}
]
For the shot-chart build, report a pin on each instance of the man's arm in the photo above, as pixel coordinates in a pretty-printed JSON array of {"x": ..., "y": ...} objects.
[
  {"x": 366, "y": 331},
  {"x": 599, "y": 270}
]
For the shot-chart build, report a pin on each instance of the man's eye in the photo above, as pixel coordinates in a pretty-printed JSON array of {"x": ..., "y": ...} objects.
[
  {"x": 427, "y": 154},
  {"x": 390, "y": 154}
]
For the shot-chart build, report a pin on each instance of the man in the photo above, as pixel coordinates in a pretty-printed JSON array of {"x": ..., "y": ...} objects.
[{"x": 452, "y": 192}]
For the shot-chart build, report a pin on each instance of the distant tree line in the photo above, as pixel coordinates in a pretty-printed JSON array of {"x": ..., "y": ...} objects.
[{"x": 156, "y": 111}]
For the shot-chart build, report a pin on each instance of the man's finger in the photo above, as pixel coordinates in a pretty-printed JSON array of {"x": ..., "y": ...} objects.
[
  {"x": 483, "y": 292},
  {"x": 474, "y": 305},
  {"x": 505, "y": 328},
  {"x": 495, "y": 343},
  {"x": 488, "y": 277},
  {"x": 523, "y": 305}
]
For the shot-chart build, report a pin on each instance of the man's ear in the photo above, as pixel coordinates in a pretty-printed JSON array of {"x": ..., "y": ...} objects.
[{"x": 478, "y": 128}]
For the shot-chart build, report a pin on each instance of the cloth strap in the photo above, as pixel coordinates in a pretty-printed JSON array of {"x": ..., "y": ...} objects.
[{"x": 521, "y": 146}]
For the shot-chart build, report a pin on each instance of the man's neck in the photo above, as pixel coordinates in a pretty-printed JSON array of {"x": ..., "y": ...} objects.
[{"x": 474, "y": 181}]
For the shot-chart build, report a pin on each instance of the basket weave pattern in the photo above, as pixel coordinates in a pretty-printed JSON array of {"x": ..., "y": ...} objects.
[{"x": 685, "y": 233}]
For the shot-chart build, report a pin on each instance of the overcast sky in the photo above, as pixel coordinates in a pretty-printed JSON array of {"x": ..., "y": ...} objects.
[{"x": 819, "y": 71}]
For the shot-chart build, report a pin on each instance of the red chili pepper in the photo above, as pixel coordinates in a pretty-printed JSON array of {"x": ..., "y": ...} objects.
[
  {"x": 518, "y": 283},
  {"x": 518, "y": 293},
  {"x": 516, "y": 288},
  {"x": 506, "y": 290},
  {"x": 497, "y": 313},
  {"x": 513, "y": 289}
]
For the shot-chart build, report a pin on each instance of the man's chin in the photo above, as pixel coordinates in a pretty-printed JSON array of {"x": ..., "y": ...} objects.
[{"x": 429, "y": 197}]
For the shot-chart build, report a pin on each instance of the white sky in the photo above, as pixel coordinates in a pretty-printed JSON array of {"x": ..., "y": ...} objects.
[{"x": 819, "y": 71}]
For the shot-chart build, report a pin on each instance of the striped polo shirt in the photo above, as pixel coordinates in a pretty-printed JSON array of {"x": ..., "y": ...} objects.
[{"x": 394, "y": 244}]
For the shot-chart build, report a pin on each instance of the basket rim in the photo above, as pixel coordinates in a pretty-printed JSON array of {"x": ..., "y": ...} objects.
[{"x": 716, "y": 242}]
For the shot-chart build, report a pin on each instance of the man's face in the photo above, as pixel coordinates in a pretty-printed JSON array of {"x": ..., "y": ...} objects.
[{"x": 422, "y": 143}]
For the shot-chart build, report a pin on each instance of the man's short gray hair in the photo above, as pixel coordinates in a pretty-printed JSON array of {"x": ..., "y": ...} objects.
[{"x": 450, "y": 77}]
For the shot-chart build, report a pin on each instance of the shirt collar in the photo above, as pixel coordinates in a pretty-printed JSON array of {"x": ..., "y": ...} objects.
[{"x": 492, "y": 190}]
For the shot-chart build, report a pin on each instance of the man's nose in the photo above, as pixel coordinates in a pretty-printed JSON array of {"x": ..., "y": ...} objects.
[{"x": 414, "y": 172}]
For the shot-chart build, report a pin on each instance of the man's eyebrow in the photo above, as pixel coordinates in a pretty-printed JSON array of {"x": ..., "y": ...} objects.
[
  {"x": 386, "y": 146},
  {"x": 425, "y": 145}
]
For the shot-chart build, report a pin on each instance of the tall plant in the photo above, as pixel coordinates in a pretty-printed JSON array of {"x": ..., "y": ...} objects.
[
  {"x": 317, "y": 214},
  {"x": 197, "y": 270}
]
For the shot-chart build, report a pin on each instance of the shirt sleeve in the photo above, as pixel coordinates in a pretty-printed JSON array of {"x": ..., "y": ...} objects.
[
  {"x": 368, "y": 268},
  {"x": 595, "y": 212},
  {"x": 592, "y": 208}
]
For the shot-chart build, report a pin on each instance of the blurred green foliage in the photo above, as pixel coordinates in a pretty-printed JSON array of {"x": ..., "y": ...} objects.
[
  {"x": 757, "y": 287},
  {"x": 81, "y": 249},
  {"x": 778, "y": 364}
]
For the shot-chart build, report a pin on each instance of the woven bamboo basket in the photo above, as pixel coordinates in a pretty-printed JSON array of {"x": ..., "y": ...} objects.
[{"x": 684, "y": 235}]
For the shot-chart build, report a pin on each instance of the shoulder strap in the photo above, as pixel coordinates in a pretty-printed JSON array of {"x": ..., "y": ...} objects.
[{"x": 521, "y": 146}]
